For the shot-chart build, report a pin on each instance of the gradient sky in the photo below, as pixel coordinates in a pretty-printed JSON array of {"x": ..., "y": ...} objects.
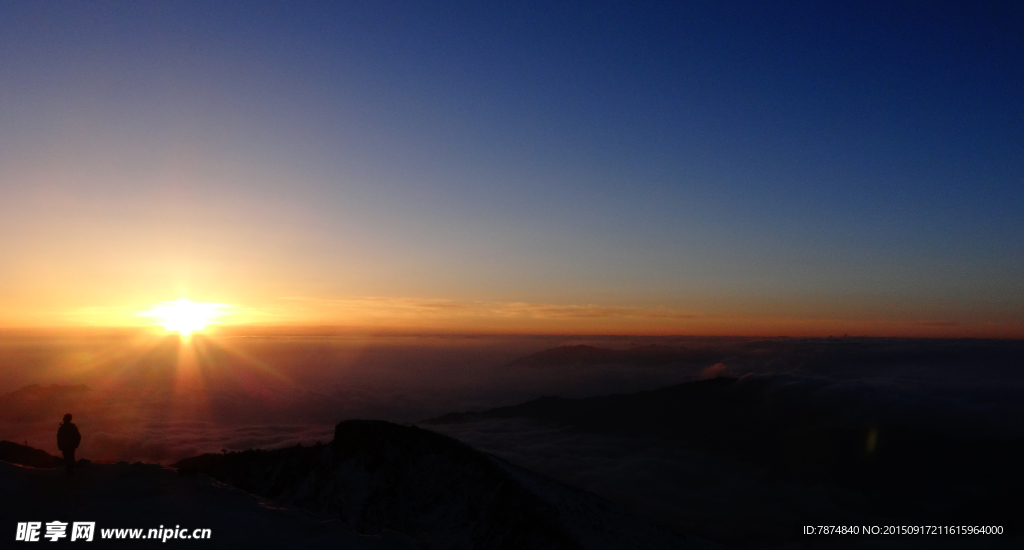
[{"x": 698, "y": 167}]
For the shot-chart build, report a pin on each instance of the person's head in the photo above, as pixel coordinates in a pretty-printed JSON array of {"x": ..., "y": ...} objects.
[{"x": 67, "y": 417}]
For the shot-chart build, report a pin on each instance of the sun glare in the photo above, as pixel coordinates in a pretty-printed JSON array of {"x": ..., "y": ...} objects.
[{"x": 185, "y": 316}]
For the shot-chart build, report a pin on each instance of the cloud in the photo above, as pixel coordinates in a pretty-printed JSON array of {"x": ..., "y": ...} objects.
[
  {"x": 377, "y": 306},
  {"x": 173, "y": 441},
  {"x": 718, "y": 369}
]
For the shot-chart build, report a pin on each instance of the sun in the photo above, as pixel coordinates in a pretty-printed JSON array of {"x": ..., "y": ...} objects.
[{"x": 185, "y": 316}]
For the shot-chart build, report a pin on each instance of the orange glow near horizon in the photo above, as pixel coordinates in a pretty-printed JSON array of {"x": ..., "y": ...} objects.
[
  {"x": 185, "y": 316},
  {"x": 237, "y": 313}
]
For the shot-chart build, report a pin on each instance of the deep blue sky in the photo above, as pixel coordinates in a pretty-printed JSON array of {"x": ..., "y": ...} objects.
[{"x": 775, "y": 160}]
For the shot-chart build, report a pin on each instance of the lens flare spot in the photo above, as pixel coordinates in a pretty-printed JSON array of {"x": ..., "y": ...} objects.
[{"x": 872, "y": 440}]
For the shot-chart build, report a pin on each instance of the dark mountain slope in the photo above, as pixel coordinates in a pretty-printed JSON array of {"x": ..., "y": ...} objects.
[
  {"x": 141, "y": 496},
  {"x": 28, "y": 456},
  {"x": 377, "y": 476},
  {"x": 801, "y": 433}
]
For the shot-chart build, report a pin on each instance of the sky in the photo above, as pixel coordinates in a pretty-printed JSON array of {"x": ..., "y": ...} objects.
[{"x": 721, "y": 167}]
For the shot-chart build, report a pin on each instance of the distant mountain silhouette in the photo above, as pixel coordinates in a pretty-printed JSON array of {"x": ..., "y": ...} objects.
[
  {"x": 647, "y": 356},
  {"x": 35, "y": 391},
  {"x": 988, "y": 359},
  {"x": 35, "y": 403},
  {"x": 905, "y": 471},
  {"x": 377, "y": 476}
]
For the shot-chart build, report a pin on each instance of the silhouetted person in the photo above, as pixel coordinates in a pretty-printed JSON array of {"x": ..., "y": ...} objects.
[{"x": 68, "y": 439}]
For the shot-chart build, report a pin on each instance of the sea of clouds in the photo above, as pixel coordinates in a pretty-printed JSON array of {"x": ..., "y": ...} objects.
[{"x": 161, "y": 399}]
